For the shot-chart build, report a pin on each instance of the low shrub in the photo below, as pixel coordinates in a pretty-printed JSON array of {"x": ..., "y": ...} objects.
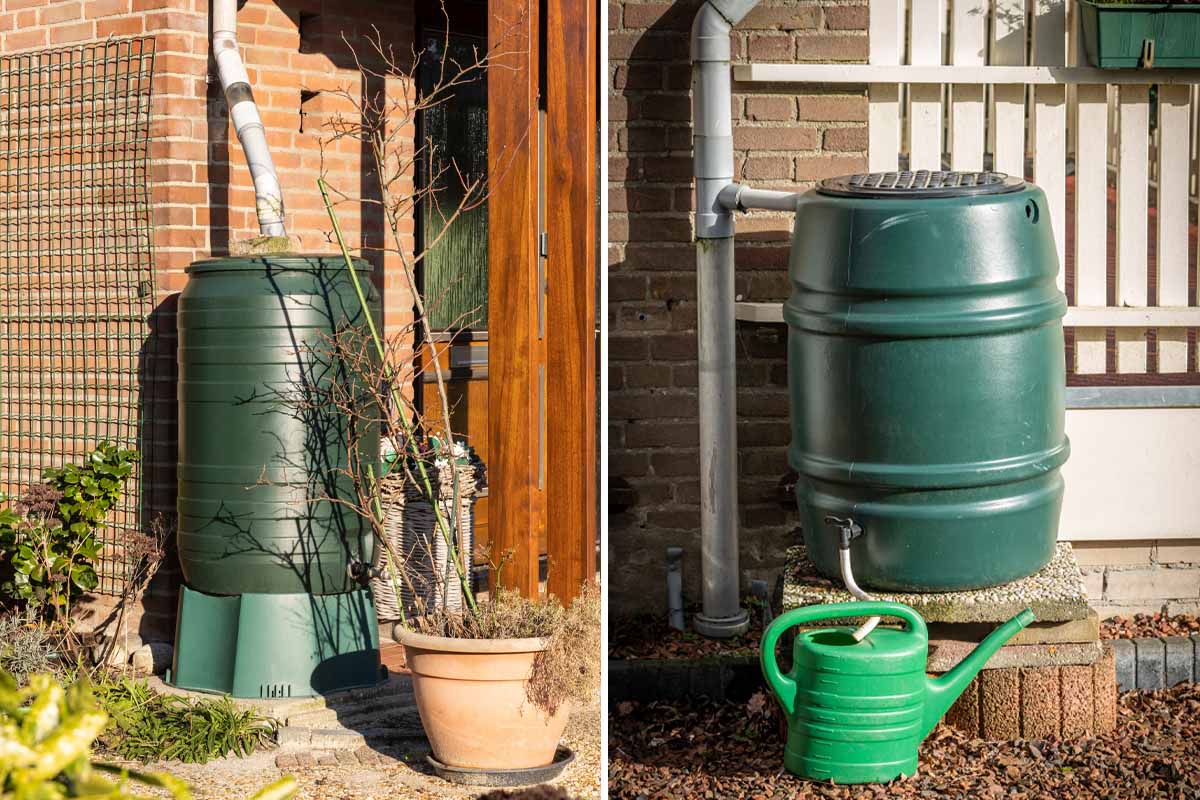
[
  {"x": 26, "y": 648},
  {"x": 147, "y": 726}
]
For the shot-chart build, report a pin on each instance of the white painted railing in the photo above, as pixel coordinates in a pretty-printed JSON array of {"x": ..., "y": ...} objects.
[{"x": 973, "y": 84}]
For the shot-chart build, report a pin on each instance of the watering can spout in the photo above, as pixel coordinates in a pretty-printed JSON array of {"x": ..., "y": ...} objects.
[{"x": 943, "y": 691}]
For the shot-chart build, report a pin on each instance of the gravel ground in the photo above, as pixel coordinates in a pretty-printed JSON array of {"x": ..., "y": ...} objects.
[
  {"x": 234, "y": 778},
  {"x": 692, "y": 750},
  {"x": 1149, "y": 625}
]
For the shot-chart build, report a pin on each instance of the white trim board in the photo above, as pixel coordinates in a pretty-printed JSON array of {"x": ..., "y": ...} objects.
[
  {"x": 1132, "y": 474},
  {"x": 947, "y": 74}
]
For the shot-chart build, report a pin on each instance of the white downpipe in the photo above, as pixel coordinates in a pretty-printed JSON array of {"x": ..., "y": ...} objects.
[
  {"x": 856, "y": 590},
  {"x": 268, "y": 194}
]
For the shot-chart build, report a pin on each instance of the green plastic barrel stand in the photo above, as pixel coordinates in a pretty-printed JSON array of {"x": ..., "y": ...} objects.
[{"x": 276, "y": 645}]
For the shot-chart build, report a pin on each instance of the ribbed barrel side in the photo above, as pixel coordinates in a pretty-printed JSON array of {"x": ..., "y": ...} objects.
[
  {"x": 927, "y": 376},
  {"x": 264, "y": 452}
]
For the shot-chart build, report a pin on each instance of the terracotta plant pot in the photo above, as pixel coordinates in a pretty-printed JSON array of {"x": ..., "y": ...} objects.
[{"x": 471, "y": 697}]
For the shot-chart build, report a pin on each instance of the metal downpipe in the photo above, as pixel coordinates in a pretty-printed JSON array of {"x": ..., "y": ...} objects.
[
  {"x": 712, "y": 145},
  {"x": 268, "y": 194}
]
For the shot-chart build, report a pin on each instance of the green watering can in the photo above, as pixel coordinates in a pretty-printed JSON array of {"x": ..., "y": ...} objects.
[{"x": 856, "y": 711}]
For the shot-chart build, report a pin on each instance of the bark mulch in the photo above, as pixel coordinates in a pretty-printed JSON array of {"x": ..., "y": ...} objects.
[
  {"x": 649, "y": 636},
  {"x": 697, "y": 750},
  {"x": 1150, "y": 626}
]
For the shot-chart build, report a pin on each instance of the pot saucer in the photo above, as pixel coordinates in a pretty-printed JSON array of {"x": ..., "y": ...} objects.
[{"x": 504, "y": 777}]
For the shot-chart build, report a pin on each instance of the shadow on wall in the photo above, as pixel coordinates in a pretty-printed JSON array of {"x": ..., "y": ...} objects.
[{"x": 654, "y": 490}]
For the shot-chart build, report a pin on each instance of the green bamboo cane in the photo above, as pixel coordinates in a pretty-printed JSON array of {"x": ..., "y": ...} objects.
[{"x": 410, "y": 439}]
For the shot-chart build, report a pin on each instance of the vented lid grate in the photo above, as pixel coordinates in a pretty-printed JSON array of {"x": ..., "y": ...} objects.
[{"x": 921, "y": 183}]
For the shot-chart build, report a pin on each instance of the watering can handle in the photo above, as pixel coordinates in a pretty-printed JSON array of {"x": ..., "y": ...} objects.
[{"x": 783, "y": 686}]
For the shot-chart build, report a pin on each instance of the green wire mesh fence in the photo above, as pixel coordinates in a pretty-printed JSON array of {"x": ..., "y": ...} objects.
[{"x": 76, "y": 264}]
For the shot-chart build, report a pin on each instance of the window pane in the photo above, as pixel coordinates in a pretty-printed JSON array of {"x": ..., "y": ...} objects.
[{"x": 455, "y": 136}]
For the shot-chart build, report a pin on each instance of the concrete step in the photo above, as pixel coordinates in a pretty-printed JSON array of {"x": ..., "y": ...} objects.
[
  {"x": 319, "y": 739},
  {"x": 352, "y": 717},
  {"x": 373, "y": 706}
]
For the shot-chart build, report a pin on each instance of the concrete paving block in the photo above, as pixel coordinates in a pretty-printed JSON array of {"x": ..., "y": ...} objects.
[
  {"x": 1180, "y": 655},
  {"x": 1126, "y": 663},
  {"x": 1000, "y": 703},
  {"x": 964, "y": 714},
  {"x": 1078, "y": 706},
  {"x": 1104, "y": 692},
  {"x": 1151, "y": 664},
  {"x": 1041, "y": 712}
]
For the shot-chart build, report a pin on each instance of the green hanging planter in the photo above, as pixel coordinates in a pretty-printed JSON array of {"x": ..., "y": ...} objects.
[{"x": 1145, "y": 35}]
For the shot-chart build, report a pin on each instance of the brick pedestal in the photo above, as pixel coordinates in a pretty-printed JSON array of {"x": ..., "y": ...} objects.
[{"x": 1036, "y": 702}]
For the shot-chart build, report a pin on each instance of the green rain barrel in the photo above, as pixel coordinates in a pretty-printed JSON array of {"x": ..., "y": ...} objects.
[
  {"x": 261, "y": 449},
  {"x": 926, "y": 372}
]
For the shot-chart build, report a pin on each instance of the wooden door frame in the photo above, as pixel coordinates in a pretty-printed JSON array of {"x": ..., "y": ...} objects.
[{"x": 542, "y": 361}]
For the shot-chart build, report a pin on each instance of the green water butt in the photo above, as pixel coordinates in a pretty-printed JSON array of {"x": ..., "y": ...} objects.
[{"x": 927, "y": 378}]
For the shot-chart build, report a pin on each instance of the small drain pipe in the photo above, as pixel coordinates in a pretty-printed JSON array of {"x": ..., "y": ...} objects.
[
  {"x": 675, "y": 588},
  {"x": 716, "y": 198},
  {"x": 268, "y": 195}
]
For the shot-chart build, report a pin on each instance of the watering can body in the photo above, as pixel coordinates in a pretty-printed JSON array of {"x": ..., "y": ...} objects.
[{"x": 857, "y": 711}]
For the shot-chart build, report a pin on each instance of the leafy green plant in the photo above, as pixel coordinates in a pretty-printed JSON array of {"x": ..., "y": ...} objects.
[
  {"x": 46, "y": 736},
  {"x": 91, "y": 489},
  {"x": 147, "y": 726},
  {"x": 48, "y": 542}
]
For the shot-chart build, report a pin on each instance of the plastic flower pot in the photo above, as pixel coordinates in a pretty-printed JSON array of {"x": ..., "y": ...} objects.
[
  {"x": 1146, "y": 35},
  {"x": 471, "y": 695}
]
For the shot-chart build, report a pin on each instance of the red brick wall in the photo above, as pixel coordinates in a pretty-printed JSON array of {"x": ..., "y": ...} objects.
[
  {"x": 783, "y": 139},
  {"x": 203, "y": 198}
]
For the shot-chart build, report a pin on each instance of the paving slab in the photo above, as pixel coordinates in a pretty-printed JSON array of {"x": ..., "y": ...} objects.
[
  {"x": 944, "y": 655},
  {"x": 1070, "y": 631},
  {"x": 1056, "y": 593}
]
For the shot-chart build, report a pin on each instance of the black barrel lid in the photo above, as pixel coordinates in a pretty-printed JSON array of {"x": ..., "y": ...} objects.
[{"x": 920, "y": 183}]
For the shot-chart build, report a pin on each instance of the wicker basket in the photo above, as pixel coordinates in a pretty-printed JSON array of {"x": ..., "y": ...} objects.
[{"x": 411, "y": 529}]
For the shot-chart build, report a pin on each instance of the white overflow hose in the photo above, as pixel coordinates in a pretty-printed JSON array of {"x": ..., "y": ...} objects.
[
  {"x": 268, "y": 195},
  {"x": 856, "y": 590}
]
